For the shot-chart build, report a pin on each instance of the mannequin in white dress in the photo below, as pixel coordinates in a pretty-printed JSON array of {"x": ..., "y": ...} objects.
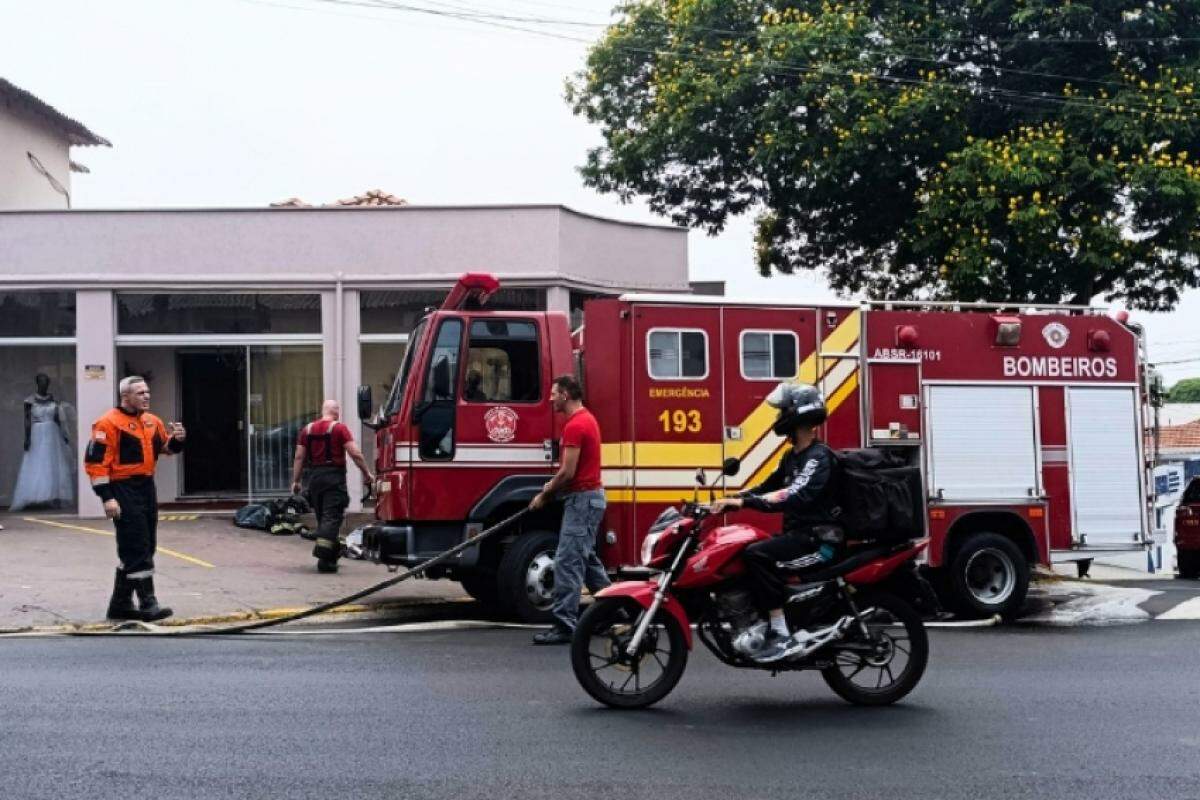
[{"x": 47, "y": 477}]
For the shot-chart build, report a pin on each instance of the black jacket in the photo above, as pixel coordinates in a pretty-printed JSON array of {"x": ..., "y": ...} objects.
[{"x": 801, "y": 487}]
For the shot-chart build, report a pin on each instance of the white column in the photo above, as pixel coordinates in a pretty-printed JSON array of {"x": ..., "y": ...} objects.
[
  {"x": 558, "y": 298},
  {"x": 348, "y": 394},
  {"x": 95, "y": 377},
  {"x": 328, "y": 345}
]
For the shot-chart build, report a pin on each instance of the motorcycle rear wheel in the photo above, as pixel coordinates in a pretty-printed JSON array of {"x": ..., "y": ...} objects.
[
  {"x": 895, "y": 667},
  {"x": 609, "y": 675}
]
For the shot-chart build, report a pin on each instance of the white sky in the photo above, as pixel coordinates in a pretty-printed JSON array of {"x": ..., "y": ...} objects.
[{"x": 245, "y": 102}]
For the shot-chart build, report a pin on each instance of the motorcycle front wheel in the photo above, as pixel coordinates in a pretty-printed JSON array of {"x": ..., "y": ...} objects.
[
  {"x": 608, "y": 673},
  {"x": 884, "y": 668}
]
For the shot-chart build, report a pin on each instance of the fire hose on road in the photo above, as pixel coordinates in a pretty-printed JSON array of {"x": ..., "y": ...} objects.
[{"x": 142, "y": 629}]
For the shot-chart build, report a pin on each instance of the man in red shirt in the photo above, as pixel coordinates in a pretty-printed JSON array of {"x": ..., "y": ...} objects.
[
  {"x": 582, "y": 495},
  {"x": 321, "y": 450}
]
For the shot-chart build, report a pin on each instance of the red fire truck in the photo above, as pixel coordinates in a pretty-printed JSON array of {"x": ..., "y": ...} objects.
[{"x": 1027, "y": 424}]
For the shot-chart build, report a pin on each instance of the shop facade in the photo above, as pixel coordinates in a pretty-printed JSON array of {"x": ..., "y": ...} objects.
[{"x": 243, "y": 321}]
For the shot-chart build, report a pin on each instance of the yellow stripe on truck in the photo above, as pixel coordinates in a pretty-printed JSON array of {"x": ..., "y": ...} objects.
[
  {"x": 651, "y": 455},
  {"x": 627, "y": 494}
]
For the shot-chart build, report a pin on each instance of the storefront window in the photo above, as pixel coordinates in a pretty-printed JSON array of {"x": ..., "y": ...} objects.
[
  {"x": 199, "y": 314},
  {"x": 400, "y": 311},
  {"x": 381, "y": 362},
  {"x": 29, "y": 314},
  {"x": 38, "y": 459}
]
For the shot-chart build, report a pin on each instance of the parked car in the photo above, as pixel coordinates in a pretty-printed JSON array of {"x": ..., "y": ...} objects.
[{"x": 1187, "y": 531}]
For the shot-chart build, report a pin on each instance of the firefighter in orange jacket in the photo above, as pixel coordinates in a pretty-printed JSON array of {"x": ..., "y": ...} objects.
[{"x": 126, "y": 444}]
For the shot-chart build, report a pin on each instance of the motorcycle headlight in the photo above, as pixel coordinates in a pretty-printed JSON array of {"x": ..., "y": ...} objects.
[{"x": 648, "y": 547}]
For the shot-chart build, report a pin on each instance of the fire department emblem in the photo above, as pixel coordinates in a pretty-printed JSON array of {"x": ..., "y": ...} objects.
[
  {"x": 501, "y": 423},
  {"x": 1056, "y": 334}
]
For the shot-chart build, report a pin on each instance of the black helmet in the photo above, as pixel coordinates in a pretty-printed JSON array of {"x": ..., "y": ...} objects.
[{"x": 799, "y": 404}]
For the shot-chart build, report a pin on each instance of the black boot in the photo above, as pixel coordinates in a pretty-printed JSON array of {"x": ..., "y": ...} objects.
[
  {"x": 326, "y": 553},
  {"x": 120, "y": 606},
  {"x": 148, "y": 605}
]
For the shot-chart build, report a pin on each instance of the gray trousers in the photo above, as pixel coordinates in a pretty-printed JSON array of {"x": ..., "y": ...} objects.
[{"x": 575, "y": 562}]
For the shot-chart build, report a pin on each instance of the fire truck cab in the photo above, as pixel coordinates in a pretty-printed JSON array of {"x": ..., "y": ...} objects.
[{"x": 1027, "y": 424}]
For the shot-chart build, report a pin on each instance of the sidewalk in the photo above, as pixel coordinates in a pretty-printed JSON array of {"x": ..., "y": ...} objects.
[{"x": 57, "y": 570}]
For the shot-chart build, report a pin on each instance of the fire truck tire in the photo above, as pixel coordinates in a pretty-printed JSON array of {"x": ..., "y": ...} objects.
[
  {"x": 526, "y": 576},
  {"x": 483, "y": 587},
  {"x": 988, "y": 575},
  {"x": 1189, "y": 564}
]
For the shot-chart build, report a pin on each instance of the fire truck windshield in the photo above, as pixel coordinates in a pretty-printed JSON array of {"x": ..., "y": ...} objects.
[{"x": 397, "y": 394}]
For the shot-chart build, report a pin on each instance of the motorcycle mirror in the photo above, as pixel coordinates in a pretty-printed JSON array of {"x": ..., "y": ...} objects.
[
  {"x": 701, "y": 480},
  {"x": 730, "y": 466}
]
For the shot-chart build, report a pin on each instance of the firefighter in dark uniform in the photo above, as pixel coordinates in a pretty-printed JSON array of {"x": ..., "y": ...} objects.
[
  {"x": 321, "y": 451},
  {"x": 124, "y": 448}
]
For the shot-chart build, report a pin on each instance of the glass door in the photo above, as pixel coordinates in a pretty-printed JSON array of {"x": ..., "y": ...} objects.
[
  {"x": 283, "y": 394},
  {"x": 211, "y": 386}
]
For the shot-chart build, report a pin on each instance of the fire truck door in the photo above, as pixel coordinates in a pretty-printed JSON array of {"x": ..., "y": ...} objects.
[
  {"x": 893, "y": 405},
  {"x": 676, "y": 405},
  {"x": 1107, "y": 500},
  {"x": 504, "y": 414},
  {"x": 483, "y": 413},
  {"x": 761, "y": 347}
]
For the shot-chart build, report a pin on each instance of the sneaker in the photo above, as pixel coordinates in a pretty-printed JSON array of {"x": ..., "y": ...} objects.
[
  {"x": 771, "y": 642},
  {"x": 554, "y": 635}
]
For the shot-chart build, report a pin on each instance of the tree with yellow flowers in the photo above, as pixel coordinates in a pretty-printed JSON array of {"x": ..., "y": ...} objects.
[{"x": 1029, "y": 150}]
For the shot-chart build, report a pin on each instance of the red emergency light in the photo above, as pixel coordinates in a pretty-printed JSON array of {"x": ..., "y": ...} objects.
[
  {"x": 474, "y": 287},
  {"x": 906, "y": 337},
  {"x": 1006, "y": 330},
  {"x": 1099, "y": 341}
]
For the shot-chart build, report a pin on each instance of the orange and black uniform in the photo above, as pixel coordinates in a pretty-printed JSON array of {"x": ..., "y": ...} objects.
[
  {"x": 120, "y": 460},
  {"x": 324, "y": 443}
]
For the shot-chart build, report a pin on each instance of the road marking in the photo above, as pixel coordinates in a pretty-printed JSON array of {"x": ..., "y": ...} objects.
[
  {"x": 1188, "y": 609},
  {"x": 410, "y": 627},
  {"x": 181, "y": 556},
  {"x": 178, "y": 517}
]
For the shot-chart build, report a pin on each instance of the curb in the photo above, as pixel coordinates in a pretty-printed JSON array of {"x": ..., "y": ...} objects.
[{"x": 248, "y": 616}]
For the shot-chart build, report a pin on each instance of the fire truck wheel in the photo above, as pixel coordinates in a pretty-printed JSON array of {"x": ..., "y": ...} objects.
[
  {"x": 482, "y": 586},
  {"x": 988, "y": 575},
  {"x": 526, "y": 577}
]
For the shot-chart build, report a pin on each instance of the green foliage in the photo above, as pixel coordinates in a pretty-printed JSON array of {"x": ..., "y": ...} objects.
[
  {"x": 1035, "y": 150},
  {"x": 1185, "y": 391}
]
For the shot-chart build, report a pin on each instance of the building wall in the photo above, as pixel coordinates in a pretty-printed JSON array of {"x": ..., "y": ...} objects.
[
  {"x": 22, "y": 186},
  {"x": 99, "y": 253},
  {"x": 410, "y": 246}
]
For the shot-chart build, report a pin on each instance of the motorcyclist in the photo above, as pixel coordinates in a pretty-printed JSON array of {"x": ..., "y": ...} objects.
[{"x": 801, "y": 488}]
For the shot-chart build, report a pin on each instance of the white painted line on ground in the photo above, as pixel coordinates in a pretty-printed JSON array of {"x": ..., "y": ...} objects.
[
  {"x": 1188, "y": 609},
  {"x": 1076, "y": 603}
]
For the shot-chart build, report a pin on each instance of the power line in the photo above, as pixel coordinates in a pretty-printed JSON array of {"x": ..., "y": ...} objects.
[
  {"x": 771, "y": 67},
  {"x": 1179, "y": 361}
]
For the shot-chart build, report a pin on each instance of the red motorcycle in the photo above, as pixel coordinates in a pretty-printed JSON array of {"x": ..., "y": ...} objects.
[{"x": 631, "y": 646}]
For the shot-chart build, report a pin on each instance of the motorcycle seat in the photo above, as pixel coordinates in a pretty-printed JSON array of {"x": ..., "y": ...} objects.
[{"x": 854, "y": 559}]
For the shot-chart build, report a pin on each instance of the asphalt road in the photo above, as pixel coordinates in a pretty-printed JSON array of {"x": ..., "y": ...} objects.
[{"x": 1002, "y": 713}]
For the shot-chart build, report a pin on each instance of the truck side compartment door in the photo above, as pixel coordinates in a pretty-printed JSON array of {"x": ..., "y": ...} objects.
[
  {"x": 762, "y": 347},
  {"x": 677, "y": 413}
]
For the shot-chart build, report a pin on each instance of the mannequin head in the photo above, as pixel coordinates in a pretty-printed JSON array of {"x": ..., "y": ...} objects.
[{"x": 43, "y": 383}]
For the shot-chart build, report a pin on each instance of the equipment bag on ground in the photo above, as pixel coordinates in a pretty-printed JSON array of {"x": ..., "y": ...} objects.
[{"x": 254, "y": 516}]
